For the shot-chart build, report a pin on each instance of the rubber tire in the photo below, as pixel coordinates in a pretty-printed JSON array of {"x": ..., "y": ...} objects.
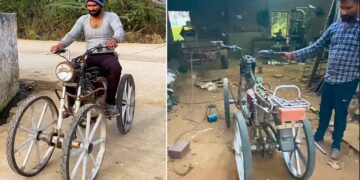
[
  {"x": 224, "y": 61},
  {"x": 120, "y": 91},
  {"x": 12, "y": 132},
  {"x": 246, "y": 147},
  {"x": 311, "y": 149},
  {"x": 226, "y": 102},
  {"x": 66, "y": 146}
]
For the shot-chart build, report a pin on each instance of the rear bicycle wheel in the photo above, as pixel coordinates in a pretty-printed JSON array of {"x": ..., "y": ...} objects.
[
  {"x": 242, "y": 147},
  {"x": 125, "y": 102},
  {"x": 226, "y": 102},
  {"x": 301, "y": 161}
]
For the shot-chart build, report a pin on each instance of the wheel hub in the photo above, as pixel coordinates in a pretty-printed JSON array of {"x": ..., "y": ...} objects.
[
  {"x": 90, "y": 148},
  {"x": 38, "y": 133}
]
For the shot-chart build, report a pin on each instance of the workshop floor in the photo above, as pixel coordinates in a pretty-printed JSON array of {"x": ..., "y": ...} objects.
[{"x": 211, "y": 155}]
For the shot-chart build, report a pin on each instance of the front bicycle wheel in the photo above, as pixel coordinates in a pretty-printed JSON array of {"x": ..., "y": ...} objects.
[
  {"x": 301, "y": 161},
  {"x": 27, "y": 155},
  {"x": 84, "y": 148}
]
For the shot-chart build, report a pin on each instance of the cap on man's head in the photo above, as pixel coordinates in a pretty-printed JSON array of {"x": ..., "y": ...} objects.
[{"x": 99, "y": 2}]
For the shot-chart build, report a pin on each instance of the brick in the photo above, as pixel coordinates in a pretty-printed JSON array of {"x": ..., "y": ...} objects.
[
  {"x": 291, "y": 114},
  {"x": 179, "y": 149}
]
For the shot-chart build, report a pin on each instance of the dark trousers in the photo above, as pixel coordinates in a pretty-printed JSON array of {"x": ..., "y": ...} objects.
[
  {"x": 337, "y": 97},
  {"x": 111, "y": 69}
]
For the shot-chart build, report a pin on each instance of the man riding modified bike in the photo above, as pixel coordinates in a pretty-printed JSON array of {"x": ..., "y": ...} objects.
[{"x": 99, "y": 27}]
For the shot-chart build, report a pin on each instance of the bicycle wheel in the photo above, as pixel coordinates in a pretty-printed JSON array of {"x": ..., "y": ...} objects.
[
  {"x": 243, "y": 155},
  {"x": 226, "y": 102},
  {"x": 37, "y": 115},
  {"x": 301, "y": 161},
  {"x": 125, "y": 102},
  {"x": 84, "y": 146}
]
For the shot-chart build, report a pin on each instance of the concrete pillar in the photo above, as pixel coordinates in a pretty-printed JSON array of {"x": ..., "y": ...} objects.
[{"x": 9, "y": 65}]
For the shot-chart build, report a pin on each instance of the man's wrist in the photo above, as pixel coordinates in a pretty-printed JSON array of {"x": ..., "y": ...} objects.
[
  {"x": 60, "y": 45},
  {"x": 115, "y": 40}
]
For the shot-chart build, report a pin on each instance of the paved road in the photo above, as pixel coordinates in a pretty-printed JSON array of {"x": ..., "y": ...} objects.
[{"x": 138, "y": 155}]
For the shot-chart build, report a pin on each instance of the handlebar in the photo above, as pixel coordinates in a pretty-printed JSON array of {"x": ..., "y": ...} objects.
[
  {"x": 87, "y": 52},
  {"x": 232, "y": 47},
  {"x": 269, "y": 53}
]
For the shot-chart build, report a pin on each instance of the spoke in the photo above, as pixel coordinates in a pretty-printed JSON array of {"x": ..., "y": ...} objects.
[
  {"x": 77, "y": 151},
  {"x": 84, "y": 167},
  {"x": 23, "y": 144},
  {"x": 93, "y": 160},
  {"x": 81, "y": 134},
  {"x": 130, "y": 114},
  {"x": 98, "y": 141},
  {"x": 42, "y": 115},
  {"x": 47, "y": 126},
  {"x": 77, "y": 165},
  {"x": 129, "y": 94},
  {"x": 297, "y": 163},
  {"x": 98, "y": 120},
  {"x": 291, "y": 155},
  {"x": 26, "y": 160},
  {"x": 87, "y": 128},
  {"x": 37, "y": 151},
  {"x": 48, "y": 152},
  {"x": 301, "y": 155},
  {"x": 123, "y": 111},
  {"x": 26, "y": 129},
  {"x": 296, "y": 132},
  {"x": 33, "y": 117},
  {"x": 125, "y": 92},
  {"x": 127, "y": 115}
]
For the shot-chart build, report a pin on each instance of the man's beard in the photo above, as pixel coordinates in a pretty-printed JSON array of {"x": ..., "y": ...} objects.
[
  {"x": 348, "y": 18},
  {"x": 94, "y": 13}
]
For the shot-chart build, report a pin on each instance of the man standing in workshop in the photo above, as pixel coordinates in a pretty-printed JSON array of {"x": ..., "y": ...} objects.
[{"x": 342, "y": 74}]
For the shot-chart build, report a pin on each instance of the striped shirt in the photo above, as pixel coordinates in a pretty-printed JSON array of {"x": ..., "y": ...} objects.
[
  {"x": 343, "y": 43},
  {"x": 111, "y": 27}
]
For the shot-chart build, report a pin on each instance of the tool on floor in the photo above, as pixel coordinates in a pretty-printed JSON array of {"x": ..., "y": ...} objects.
[
  {"x": 211, "y": 117},
  {"x": 320, "y": 148}
]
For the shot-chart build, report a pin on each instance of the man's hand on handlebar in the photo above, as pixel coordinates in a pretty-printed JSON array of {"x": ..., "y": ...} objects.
[
  {"x": 55, "y": 48},
  {"x": 289, "y": 55},
  {"x": 111, "y": 44}
]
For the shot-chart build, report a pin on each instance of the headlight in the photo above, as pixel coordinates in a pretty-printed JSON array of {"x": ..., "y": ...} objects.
[{"x": 64, "y": 71}]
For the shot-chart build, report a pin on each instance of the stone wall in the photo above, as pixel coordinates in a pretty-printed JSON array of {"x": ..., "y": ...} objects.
[{"x": 9, "y": 65}]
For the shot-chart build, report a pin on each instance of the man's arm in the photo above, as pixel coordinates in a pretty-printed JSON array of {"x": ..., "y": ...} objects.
[
  {"x": 312, "y": 50},
  {"x": 74, "y": 33},
  {"x": 117, "y": 27}
]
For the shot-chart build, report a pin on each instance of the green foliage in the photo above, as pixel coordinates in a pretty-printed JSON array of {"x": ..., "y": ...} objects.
[
  {"x": 51, "y": 20},
  {"x": 142, "y": 16}
]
